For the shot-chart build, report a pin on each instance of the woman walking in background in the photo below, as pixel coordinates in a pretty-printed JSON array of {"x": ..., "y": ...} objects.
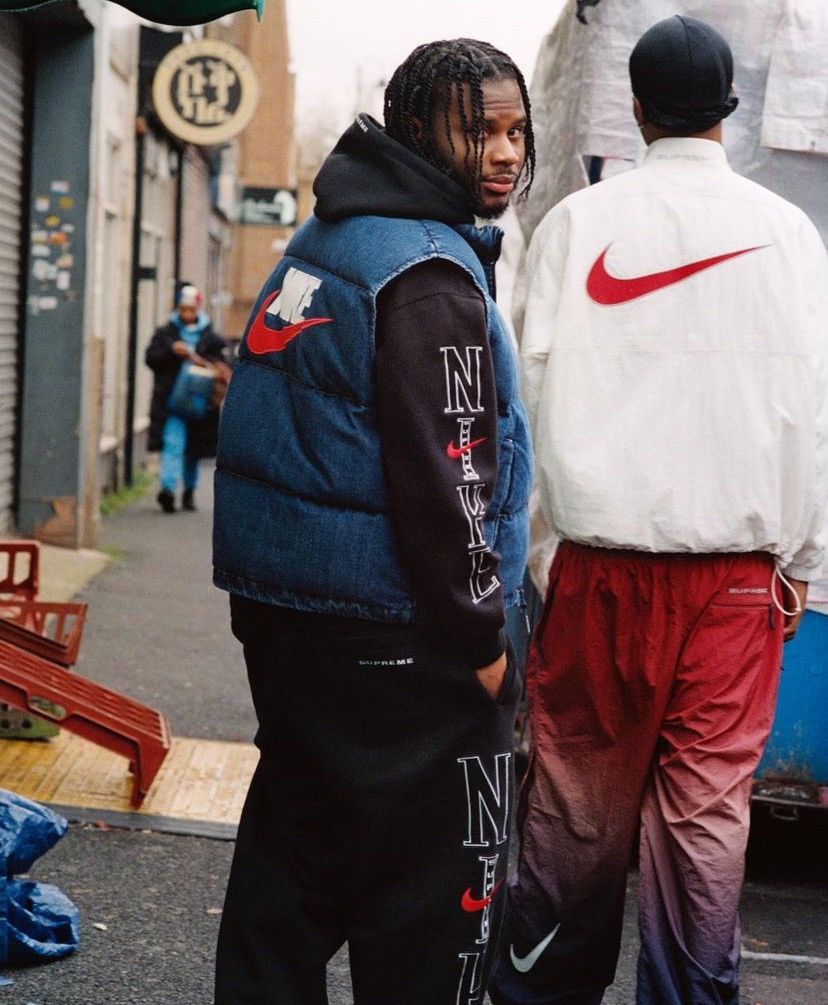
[{"x": 183, "y": 436}]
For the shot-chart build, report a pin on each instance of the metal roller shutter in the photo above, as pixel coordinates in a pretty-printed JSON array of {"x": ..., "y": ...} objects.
[{"x": 11, "y": 165}]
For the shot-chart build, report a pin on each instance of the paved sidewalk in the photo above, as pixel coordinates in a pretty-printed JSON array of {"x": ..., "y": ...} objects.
[
  {"x": 64, "y": 572},
  {"x": 158, "y": 630}
]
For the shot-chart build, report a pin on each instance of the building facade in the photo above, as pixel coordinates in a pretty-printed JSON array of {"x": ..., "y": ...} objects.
[
  {"x": 12, "y": 195},
  {"x": 103, "y": 213},
  {"x": 266, "y": 158}
]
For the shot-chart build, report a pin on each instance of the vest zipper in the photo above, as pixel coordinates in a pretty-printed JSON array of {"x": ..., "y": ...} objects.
[{"x": 525, "y": 609}]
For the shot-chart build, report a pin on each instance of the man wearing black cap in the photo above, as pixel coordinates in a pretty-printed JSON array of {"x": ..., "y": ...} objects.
[{"x": 675, "y": 359}]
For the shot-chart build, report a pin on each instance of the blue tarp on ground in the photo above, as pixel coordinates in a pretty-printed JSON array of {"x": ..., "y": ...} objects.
[{"x": 37, "y": 921}]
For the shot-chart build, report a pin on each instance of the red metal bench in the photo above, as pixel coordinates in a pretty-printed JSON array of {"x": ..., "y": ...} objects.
[
  {"x": 28, "y": 681},
  {"x": 39, "y": 641},
  {"x": 52, "y": 630},
  {"x": 20, "y": 560}
]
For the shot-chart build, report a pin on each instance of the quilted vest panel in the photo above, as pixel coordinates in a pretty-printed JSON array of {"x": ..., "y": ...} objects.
[{"x": 301, "y": 501}]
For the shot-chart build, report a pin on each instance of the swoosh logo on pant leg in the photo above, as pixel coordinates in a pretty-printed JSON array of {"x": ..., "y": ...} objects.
[
  {"x": 524, "y": 965},
  {"x": 455, "y": 452},
  {"x": 608, "y": 290},
  {"x": 471, "y": 904},
  {"x": 261, "y": 339}
]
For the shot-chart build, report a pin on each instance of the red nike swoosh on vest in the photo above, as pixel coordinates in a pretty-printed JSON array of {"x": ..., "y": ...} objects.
[
  {"x": 470, "y": 904},
  {"x": 609, "y": 290},
  {"x": 261, "y": 339},
  {"x": 455, "y": 452}
]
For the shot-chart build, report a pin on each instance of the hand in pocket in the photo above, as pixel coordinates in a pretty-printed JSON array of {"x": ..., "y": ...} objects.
[{"x": 491, "y": 676}]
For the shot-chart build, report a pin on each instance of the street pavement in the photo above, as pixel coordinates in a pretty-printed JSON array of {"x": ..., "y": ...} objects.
[
  {"x": 150, "y": 901},
  {"x": 158, "y": 630}
]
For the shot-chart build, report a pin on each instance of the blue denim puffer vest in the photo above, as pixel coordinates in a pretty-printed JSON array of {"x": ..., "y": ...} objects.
[{"x": 301, "y": 502}]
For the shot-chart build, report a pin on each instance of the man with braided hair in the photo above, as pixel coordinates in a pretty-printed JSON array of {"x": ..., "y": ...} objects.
[{"x": 371, "y": 528}]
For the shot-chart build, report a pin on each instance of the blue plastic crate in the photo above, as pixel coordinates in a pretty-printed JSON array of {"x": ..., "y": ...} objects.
[{"x": 798, "y": 746}]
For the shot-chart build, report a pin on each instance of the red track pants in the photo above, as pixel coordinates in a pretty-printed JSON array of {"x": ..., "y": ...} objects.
[{"x": 652, "y": 685}]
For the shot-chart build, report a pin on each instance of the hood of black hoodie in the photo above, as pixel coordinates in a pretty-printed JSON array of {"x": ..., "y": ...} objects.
[{"x": 369, "y": 174}]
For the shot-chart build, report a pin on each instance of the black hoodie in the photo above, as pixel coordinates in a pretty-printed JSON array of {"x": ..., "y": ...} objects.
[
  {"x": 369, "y": 174},
  {"x": 432, "y": 306}
]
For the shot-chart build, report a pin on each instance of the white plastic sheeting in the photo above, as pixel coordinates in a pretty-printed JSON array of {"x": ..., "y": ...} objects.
[
  {"x": 582, "y": 103},
  {"x": 796, "y": 99}
]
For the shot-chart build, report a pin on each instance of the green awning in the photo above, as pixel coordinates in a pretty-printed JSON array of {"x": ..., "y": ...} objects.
[{"x": 178, "y": 12}]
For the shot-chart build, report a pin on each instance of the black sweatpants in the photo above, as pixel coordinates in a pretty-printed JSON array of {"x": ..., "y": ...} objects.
[{"x": 379, "y": 815}]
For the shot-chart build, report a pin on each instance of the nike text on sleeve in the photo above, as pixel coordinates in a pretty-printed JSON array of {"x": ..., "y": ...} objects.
[{"x": 437, "y": 413}]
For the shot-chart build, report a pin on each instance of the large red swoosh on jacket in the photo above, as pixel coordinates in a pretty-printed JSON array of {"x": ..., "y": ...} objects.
[
  {"x": 608, "y": 290},
  {"x": 261, "y": 339}
]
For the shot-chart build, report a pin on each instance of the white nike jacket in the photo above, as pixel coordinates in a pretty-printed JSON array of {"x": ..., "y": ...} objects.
[{"x": 675, "y": 360}]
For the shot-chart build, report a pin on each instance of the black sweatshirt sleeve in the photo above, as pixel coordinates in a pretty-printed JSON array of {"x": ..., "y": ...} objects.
[
  {"x": 160, "y": 355},
  {"x": 437, "y": 414}
]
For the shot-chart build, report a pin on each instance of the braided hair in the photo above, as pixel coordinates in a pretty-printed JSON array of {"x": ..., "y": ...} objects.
[{"x": 421, "y": 90}]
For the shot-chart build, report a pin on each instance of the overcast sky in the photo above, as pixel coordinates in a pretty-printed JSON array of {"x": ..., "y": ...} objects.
[{"x": 331, "y": 39}]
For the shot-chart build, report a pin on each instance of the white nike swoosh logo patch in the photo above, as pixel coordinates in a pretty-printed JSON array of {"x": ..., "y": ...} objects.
[{"x": 524, "y": 965}]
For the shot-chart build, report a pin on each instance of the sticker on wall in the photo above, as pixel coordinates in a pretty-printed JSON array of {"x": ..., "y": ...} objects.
[
  {"x": 44, "y": 272},
  {"x": 50, "y": 243}
]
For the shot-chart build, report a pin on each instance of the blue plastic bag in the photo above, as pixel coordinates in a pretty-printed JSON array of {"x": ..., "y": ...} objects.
[
  {"x": 37, "y": 921},
  {"x": 191, "y": 391}
]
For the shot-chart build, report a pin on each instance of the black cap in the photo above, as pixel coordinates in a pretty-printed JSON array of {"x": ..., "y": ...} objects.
[{"x": 682, "y": 73}]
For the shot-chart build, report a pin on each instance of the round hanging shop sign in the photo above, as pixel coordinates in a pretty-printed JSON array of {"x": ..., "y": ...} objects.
[{"x": 205, "y": 92}]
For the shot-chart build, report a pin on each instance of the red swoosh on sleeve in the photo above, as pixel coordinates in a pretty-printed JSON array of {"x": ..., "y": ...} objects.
[
  {"x": 609, "y": 290},
  {"x": 470, "y": 904},
  {"x": 455, "y": 452},
  {"x": 261, "y": 339}
]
